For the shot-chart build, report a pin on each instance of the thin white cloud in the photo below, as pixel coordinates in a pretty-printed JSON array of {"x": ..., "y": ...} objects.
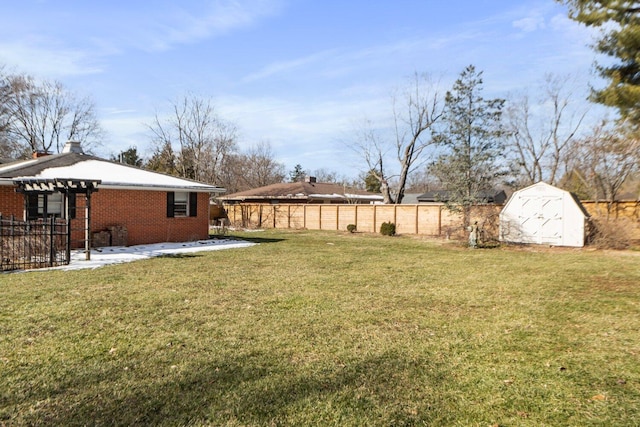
[
  {"x": 180, "y": 25},
  {"x": 47, "y": 59},
  {"x": 281, "y": 67},
  {"x": 52, "y": 50},
  {"x": 535, "y": 21},
  {"x": 439, "y": 51}
]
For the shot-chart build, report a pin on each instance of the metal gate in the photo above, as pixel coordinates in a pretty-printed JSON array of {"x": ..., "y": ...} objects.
[{"x": 33, "y": 244}]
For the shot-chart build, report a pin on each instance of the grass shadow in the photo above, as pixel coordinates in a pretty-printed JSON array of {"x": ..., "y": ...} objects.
[
  {"x": 239, "y": 389},
  {"x": 256, "y": 239},
  {"x": 187, "y": 255}
]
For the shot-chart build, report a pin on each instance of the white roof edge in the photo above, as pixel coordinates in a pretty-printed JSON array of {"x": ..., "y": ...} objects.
[
  {"x": 242, "y": 198},
  {"x": 111, "y": 186},
  {"x": 347, "y": 196},
  {"x": 364, "y": 196},
  {"x": 8, "y": 167},
  {"x": 195, "y": 188}
]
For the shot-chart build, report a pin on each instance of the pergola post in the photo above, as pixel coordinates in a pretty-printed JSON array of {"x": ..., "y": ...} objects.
[
  {"x": 65, "y": 186},
  {"x": 87, "y": 226}
]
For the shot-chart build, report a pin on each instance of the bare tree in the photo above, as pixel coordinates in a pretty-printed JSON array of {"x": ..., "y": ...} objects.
[
  {"x": 253, "y": 168},
  {"x": 414, "y": 114},
  {"x": 605, "y": 160},
  {"x": 201, "y": 139},
  {"x": 6, "y": 149},
  {"x": 257, "y": 167},
  {"x": 326, "y": 175},
  {"x": 541, "y": 131},
  {"x": 44, "y": 116}
]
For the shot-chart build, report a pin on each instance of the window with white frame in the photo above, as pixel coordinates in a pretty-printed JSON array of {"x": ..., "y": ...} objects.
[
  {"x": 49, "y": 205},
  {"x": 182, "y": 204}
]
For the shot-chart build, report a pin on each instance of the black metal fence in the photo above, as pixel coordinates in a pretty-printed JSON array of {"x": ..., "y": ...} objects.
[{"x": 33, "y": 244}]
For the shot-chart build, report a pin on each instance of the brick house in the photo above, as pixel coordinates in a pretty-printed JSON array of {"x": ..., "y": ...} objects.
[{"x": 125, "y": 205}]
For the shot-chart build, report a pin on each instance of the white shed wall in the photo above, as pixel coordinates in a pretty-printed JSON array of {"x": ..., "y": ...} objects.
[{"x": 542, "y": 214}]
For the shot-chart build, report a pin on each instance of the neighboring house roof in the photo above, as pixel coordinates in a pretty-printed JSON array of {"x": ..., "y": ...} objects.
[
  {"x": 410, "y": 198},
  {"x": 492, "y": 196},
  {"x": 74, "y": 165},
  {"x": 304, "y": 192}
]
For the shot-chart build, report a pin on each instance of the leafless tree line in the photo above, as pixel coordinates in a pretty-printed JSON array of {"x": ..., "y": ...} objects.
[
  {"x": 546, "y": 137},
  {"x": 193, "y": 141},
  {"x": 42, "y": 115},
  {"x": 594, "y": 160}
]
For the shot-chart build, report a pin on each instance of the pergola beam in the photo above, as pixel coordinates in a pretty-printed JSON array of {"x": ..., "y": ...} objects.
[{"x": 65, "y": 186}]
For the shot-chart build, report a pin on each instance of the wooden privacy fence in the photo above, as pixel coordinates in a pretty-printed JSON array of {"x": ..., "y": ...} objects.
[
  {"x": 423, "y": 219},
  {"x": 624, "y": 213}
]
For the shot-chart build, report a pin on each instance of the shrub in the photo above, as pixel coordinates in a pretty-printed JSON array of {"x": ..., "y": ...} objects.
[
  {"x": 611, "y": 234},
  {"x": 351, "y": 228},
  {"x": 388, "y": 229}
]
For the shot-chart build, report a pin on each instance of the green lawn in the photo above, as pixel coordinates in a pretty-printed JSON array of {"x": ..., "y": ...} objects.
[{"x": 325, "y": 328}]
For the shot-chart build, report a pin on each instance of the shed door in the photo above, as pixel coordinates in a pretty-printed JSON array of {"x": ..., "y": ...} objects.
[{"x": 541, "y": 219}]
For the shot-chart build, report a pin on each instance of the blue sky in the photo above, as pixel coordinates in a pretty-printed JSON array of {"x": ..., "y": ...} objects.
[{"x": 297, "y": 73}]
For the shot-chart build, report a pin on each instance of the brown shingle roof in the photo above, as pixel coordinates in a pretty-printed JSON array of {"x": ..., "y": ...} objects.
[{"x": 302, "y": 191}]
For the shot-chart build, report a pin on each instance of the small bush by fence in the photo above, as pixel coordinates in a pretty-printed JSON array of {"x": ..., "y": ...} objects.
[{"x": 33, "y": 244}]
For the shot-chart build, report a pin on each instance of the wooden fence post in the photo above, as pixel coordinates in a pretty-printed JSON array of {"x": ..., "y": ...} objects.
[{"x": 375, "y": 207}]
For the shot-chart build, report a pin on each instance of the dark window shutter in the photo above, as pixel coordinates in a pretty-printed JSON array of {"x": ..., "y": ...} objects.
[
  {"x": 32, "y": 206},
  {"x": 170, "y": 202},
  {"x": 72, "y": 205},
  {"x": 193, "y": 204}
]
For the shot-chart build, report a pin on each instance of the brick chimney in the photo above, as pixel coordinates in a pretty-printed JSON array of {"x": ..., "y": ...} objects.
[
  {"x": 38, "y": 154},
  {"x": 310, "y": 179}
]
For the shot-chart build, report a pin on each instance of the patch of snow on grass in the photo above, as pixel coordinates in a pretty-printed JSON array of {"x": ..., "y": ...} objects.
[{"x": 120, "y": 254}]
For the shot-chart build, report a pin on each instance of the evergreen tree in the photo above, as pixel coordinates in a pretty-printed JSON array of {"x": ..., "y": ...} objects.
[
  {"x": 472, "y": 137},
  {"x": 129, "y": 156},
  {"x": 297, "y": 174},
  {"x": 620, "y": 40},
  {"x": 163, "y": 160},
  {"x": 372, "y": 182}
]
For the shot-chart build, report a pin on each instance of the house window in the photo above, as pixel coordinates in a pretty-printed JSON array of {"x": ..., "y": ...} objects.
[
  {"x": 54, "y": 205},
  {"x": 49, "y": 205},
  {"x": 181, "y": 204}
]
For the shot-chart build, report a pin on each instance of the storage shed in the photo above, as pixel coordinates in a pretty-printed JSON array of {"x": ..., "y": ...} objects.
[{"x": 545, "y": 215}]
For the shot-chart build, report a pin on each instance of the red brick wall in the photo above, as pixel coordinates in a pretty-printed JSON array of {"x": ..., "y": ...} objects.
[
  {"x": 143, "y": 213},
  {"x": 11, "y": 203}
]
